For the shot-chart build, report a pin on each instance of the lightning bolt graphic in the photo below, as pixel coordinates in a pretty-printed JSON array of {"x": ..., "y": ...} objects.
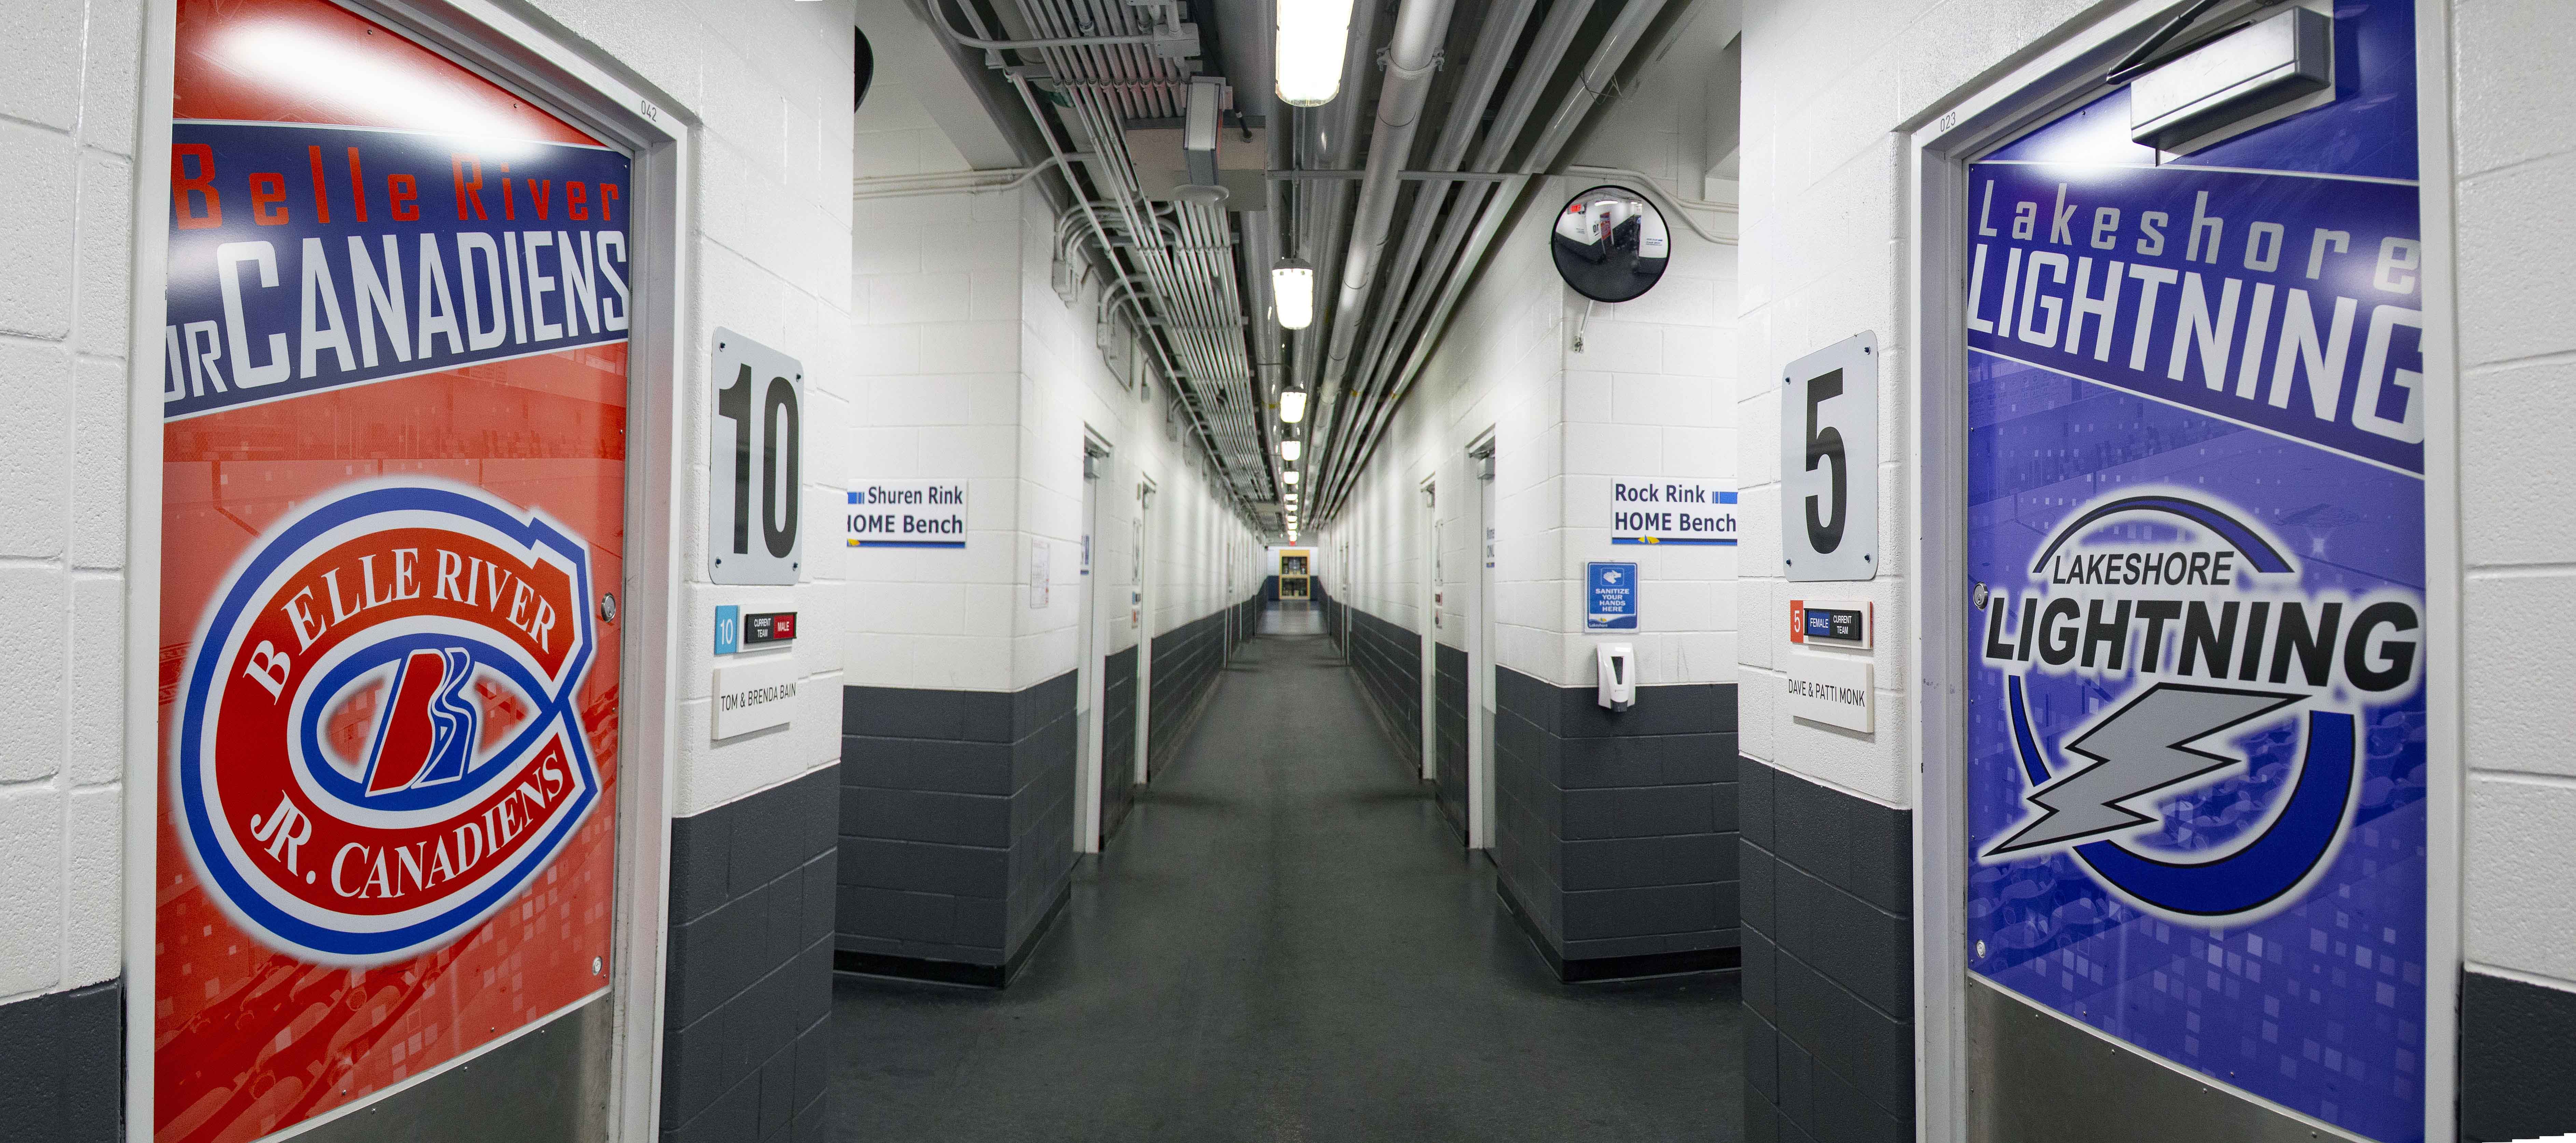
[{"x": 2141, "y": 749}]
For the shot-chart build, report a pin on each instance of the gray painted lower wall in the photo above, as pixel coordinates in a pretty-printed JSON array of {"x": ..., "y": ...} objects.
[
  {"x": 1449, "y": 751},
  {"x": 746, "y": 1049},
  {"x": 1117, "y": 741},
  {"x": 2517, "y": 1060},
  {"x": 1828, "y": 962},
  {"x": 1389, "y": 661},
  {"x": 1615, "y": 833},
  {"x": 1186, "y": 659},
  {"x": 62, "y": 1065},
  {"x": 956, "y": 827}
]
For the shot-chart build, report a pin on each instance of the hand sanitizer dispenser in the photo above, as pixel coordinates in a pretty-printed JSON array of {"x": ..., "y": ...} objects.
[{"x": 1618, "y": 662}]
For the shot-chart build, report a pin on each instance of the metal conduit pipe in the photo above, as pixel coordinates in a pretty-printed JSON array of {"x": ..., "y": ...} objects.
[
  {"x": 1100, "y": 232},
  {"x": 1411, "y": 57},
  {"x": 1492, "y": 53},
  {"x": 1180, "y": 272},
  {"x": 940, "y": 19},
  {"x": 1328, "y": 139},
  {"x": 1608, "y": 57},
  {"x": 1554, "y": 38}
]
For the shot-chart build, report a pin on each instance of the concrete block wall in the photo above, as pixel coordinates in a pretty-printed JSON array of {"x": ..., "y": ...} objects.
[
  {"x": 746, "y": 1036},
  {"x": 972, "y": 366},
  {"x": 1645, "y": 395},
  {"x": 2513, "y": 148},
  {"x": 1823, "y": 221},
  {"x": 1616, "y": 832},
  {"x": 956, "y": 819},
  {"x": 763, "y": 85},
  {"x": 68, "y": 118}
]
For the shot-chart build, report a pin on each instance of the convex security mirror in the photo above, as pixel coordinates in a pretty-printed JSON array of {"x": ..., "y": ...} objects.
[{"x": 1610, "y": 244}]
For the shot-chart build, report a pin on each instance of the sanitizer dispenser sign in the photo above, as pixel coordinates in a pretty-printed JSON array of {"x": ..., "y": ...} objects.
[{"x": 2197, "y": 745}]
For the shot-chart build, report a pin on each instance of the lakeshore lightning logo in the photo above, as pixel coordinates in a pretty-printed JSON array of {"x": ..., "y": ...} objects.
[
  {"x": 2191, "y": 627},
  {"x": 377, "y": 743}
]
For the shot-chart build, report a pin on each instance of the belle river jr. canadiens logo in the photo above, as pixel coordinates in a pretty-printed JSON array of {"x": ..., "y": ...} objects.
[
  {"x": 2190, "y": 627},
  {"x": 378, "y": 743}
]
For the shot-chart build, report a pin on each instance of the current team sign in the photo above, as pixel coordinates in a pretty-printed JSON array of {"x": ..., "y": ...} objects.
[
  {"x": 907, "y": 514},
  {"x": 394, "y": 394},
  {"x": 2197, "y": 767}
]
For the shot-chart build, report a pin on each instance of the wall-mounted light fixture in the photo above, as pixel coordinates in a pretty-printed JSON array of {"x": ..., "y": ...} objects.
[
  {"x": 1292, "y": 293},
  {"x": 1311, "y": 37}
]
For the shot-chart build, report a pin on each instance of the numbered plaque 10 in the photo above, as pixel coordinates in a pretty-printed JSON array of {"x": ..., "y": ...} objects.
[
  {"x": 754, "y": 457},
  {"x": 1829, "y": 462}
]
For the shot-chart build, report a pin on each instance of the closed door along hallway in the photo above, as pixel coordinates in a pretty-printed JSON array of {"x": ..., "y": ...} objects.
[{"x": 1286, "y": 942}]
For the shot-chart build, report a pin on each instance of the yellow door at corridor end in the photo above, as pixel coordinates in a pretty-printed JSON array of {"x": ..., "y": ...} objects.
[{"x": 395, "y": 441}]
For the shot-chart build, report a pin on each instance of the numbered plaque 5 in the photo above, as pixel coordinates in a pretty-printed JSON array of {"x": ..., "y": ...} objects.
[
  {"x": 755, "y": 454},
  {"x": 1829, "y": 462}
]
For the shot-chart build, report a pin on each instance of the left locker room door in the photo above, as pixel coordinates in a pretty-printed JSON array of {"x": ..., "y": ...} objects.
[{"x": 395, "y": 403}]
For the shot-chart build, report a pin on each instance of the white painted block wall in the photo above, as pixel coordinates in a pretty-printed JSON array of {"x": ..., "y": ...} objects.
[
  {"x": 1825, "y": 88},
  {"x": 2514, "y": 153},
  {"x": 766, "y": 86},
  {"x": 971, "y": 366},
  {"x": 1649, "y": 394},
  {"x": 68, "y": 84}
]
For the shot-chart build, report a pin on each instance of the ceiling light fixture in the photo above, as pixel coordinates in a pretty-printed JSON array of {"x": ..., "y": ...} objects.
[
  {"x": 1311, "y": 37},
  {"x": 1288, "y": 450},
  {"x": 1292, "y": 293},
  {"x": 1288, "y": 477},
  {"x": 1292, "y": 405}
]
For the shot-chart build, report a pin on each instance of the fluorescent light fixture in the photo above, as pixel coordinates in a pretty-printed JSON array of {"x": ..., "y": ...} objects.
[
  {"x": 1288, "y": 477},
  {"x": 1288, "y": 450},
  {"x": 1312, "y": 35},
  {"x": 336, "y": 79},
  {"x": 1292, "y": 406},
  {"x": 1292, "y": 293}
]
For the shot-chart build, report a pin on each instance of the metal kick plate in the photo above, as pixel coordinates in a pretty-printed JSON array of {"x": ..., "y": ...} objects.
[
  {"x": 550, "y": 1085},
  {"x": 2035, "y": 1077}
]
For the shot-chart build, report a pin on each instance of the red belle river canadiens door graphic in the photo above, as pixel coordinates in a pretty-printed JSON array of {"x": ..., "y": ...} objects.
[{"x": 395, "y": 409}]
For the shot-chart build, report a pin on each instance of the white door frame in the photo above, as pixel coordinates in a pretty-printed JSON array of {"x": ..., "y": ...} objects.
[
  {"x": 493, "y": 40},
  {"x": 1144, "y": 555},
  {"x": 1942, "y": 140},
  {"x": 1429, "y": 671},
  {"x": 1090, "y": 684},
  {"x": 1480, "y": 648}
]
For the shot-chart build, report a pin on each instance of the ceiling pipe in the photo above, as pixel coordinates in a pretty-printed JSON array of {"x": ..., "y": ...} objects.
[
  {"x": 1328, "y": 139},
  {"x": 1495, "y": 41},
  {"x": 1547, "y": 49},
  {"x": 1411, "y": 58},
  {"x": 1626, "y": 30}
]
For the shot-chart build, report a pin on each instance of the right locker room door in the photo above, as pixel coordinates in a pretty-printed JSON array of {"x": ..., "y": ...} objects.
[{"x": 2196, "y": 788}]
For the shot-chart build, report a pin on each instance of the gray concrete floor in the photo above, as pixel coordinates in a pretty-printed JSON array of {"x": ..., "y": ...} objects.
[{"x": 1286, "y": 943}]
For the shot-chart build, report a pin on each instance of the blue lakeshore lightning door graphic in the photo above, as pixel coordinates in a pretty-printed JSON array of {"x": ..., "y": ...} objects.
[{"x": 2196, "y": 765}]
